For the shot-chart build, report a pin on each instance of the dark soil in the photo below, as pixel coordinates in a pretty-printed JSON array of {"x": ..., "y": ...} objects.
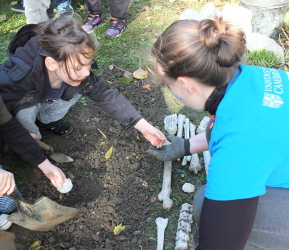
[{"x": 106, "y": 192}]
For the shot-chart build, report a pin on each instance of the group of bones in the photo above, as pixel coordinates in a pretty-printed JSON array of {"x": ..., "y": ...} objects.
[{"x": 182, "y": 126}]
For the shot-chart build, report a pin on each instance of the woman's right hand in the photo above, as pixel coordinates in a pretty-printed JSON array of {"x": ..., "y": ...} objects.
[
  {"x": 7, "y": 182},
  {"x": 53, "y": 173}
]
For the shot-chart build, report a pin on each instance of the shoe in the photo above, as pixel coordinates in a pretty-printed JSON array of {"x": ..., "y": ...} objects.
[
  {"x": 18, "y": 7},
  {"x": 55, "y": 127},
  {"x": 4, "y": 223},
  {"x": 64, "y": 9},
  {"x": 91, "y": 22},
  {"x": 117, "y": 26}
]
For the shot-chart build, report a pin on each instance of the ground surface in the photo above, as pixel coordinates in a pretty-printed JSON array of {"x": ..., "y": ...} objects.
[{"x": 107, "y": 192}]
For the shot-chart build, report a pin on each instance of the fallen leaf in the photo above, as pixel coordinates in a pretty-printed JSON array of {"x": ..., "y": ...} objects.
[
  {"x": 118, "y": 229},
  {"x": 138, "y": 139},
  {"x": 36, "y": 245},
  {"x": 140, "y": 74},
  {"x": 108, "y": 153},
  {"x": 2, "y": 18},
  {"x": 147, "y": 86},
  {"x": 125, "y": 79}
]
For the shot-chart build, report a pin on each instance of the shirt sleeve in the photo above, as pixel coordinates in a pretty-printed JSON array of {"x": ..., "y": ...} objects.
[{"x": 18, "y": 138}]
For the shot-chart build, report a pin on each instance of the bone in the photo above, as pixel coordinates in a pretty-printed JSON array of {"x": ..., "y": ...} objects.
[
  {"x": 186, "y": 136},
  {"x": 181, "y": 120},
  {"x": 164, "y": 196},
  {"x": 206, "y": 154},
  {"x": 161, "y": 226},
  {"x": 188, "y": 188},
  {"x": 166, "y": 191},
  {"x": 195, "y": 165},
  {"x": 171, "y": 122},
  {"x": 184, "y": 227}
]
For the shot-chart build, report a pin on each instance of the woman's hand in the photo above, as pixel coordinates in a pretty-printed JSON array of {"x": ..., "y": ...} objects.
[
  {"x": 52, "y": 172},
  {"x": 152, "y": 134},
  {"x": 7, "y": 182},
  {"x": 34, "y": 136}
]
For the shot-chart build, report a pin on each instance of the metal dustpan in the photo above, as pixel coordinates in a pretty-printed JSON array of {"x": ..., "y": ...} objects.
[
  {"x": 43, "y": 215},
  {"x": 57, "y": 157}
]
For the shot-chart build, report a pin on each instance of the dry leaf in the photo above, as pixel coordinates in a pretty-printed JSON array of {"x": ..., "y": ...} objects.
[
  {"x": 118, "y": 229},
  {"x": 36, "y": 245},
  {"x": 147, "y": 86},
  {"x": 140, "y": 74},
  {"x": 138, "y": 139},
  {"x": 108, "y": 153}
]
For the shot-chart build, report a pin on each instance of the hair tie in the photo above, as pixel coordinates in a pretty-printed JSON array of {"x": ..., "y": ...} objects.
[{"x": 229, "y": 64}]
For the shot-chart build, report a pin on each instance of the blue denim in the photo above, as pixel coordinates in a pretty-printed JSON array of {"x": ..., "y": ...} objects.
[
  {"x": 7, "y": 205},
  {"x": 58, "y": 2},
  {"x": 271, "y": 226}
]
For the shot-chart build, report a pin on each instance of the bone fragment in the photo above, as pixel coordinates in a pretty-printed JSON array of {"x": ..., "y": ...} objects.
[
  {"x": 195, "y": 165},
  {"x": 188, "y": 188},
  {"x": 203, "y": 124},
  {"x": 184, "y": 227},
  {"x": 207, "y": 159},
  {"x": 161, "y": 226}
]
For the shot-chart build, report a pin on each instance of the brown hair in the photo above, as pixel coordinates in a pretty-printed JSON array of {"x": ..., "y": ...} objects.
[
  {"x": 208, "y": 50},
  {"x": 64, "y": 39}
]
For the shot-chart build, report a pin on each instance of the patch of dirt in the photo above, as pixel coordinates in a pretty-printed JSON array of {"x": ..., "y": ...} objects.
[{"x": 106, "y": 192}]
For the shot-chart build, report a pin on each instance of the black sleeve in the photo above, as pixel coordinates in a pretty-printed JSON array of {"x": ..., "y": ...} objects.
[
  {"x": 19, "y": 139},
  {"x": 226, "y": 225}
]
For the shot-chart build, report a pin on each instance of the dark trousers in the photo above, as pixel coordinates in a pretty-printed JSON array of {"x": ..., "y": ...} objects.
[{"x": 118, "y": 8}]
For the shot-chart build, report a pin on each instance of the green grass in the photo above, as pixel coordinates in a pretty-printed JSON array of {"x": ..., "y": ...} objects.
[{"x": 263, "y": 58}]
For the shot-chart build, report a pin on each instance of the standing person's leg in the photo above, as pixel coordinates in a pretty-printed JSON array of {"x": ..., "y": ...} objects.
[
  {"x": 94, "y": 9},
  {"x": 118, "y": 9},
  {"x": 270, "y": 229},
  {"x": 38, "y": 11}
]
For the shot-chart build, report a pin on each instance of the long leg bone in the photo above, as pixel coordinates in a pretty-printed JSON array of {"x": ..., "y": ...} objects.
[
  {"x": 206, "y": 154},
  {"x": 181, "y": 120},
  {"x": 164, "y": 195},
  {"x": 184, "y": 227},
  {"x": 187, "y": 136},
  {"x": 195, "y": 161},
  {"x": 171, "y": 127},
  {"x": 161, "y": 226}
]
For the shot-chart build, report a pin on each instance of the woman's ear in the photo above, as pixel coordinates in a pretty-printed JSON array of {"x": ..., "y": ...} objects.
[
  {"x": 187, "y": 83},
  {"x": 50, "y": 63}
]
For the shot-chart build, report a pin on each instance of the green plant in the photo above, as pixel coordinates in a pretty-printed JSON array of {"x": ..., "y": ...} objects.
[{"x": 263, "y": 58}]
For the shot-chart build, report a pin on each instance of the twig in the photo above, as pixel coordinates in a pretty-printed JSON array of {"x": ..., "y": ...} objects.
[
  {"x": 104, "y": 136},
  {"x": 119, "y": 67}
]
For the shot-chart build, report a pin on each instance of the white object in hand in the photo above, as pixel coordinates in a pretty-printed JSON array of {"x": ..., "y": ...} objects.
[{"x": 64, "y": 187}]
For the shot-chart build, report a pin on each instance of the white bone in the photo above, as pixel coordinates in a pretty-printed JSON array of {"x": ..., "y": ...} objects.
[
  {"x": 206, "y": 154},
  {"x": 186, "y": 136},
  {"x": 181, "y": 119},
  {"x": 203, "y": 124},
  {"x": 166, "y": 191},
  {"x": 195, "y": 165},
  {"x": 171, "y": 122},
  {"x": 187, "y": 207},
  {"x": 185, "y": 226},
  {"x": 207, "y": 159},
  {"x": 186, "y": 216},
  {"x": 188, "y": 188},
  {"x": 161, "y": 226},
  {"x": 182, "y": 235},
  {"x": 181, "y": 245}
]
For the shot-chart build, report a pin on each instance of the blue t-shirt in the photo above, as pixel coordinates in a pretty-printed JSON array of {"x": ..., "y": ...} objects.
[{"x": 250, "y": 138}]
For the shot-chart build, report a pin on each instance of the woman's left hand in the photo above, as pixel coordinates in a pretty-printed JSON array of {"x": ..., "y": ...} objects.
[{"x": 151, "y": 133}]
